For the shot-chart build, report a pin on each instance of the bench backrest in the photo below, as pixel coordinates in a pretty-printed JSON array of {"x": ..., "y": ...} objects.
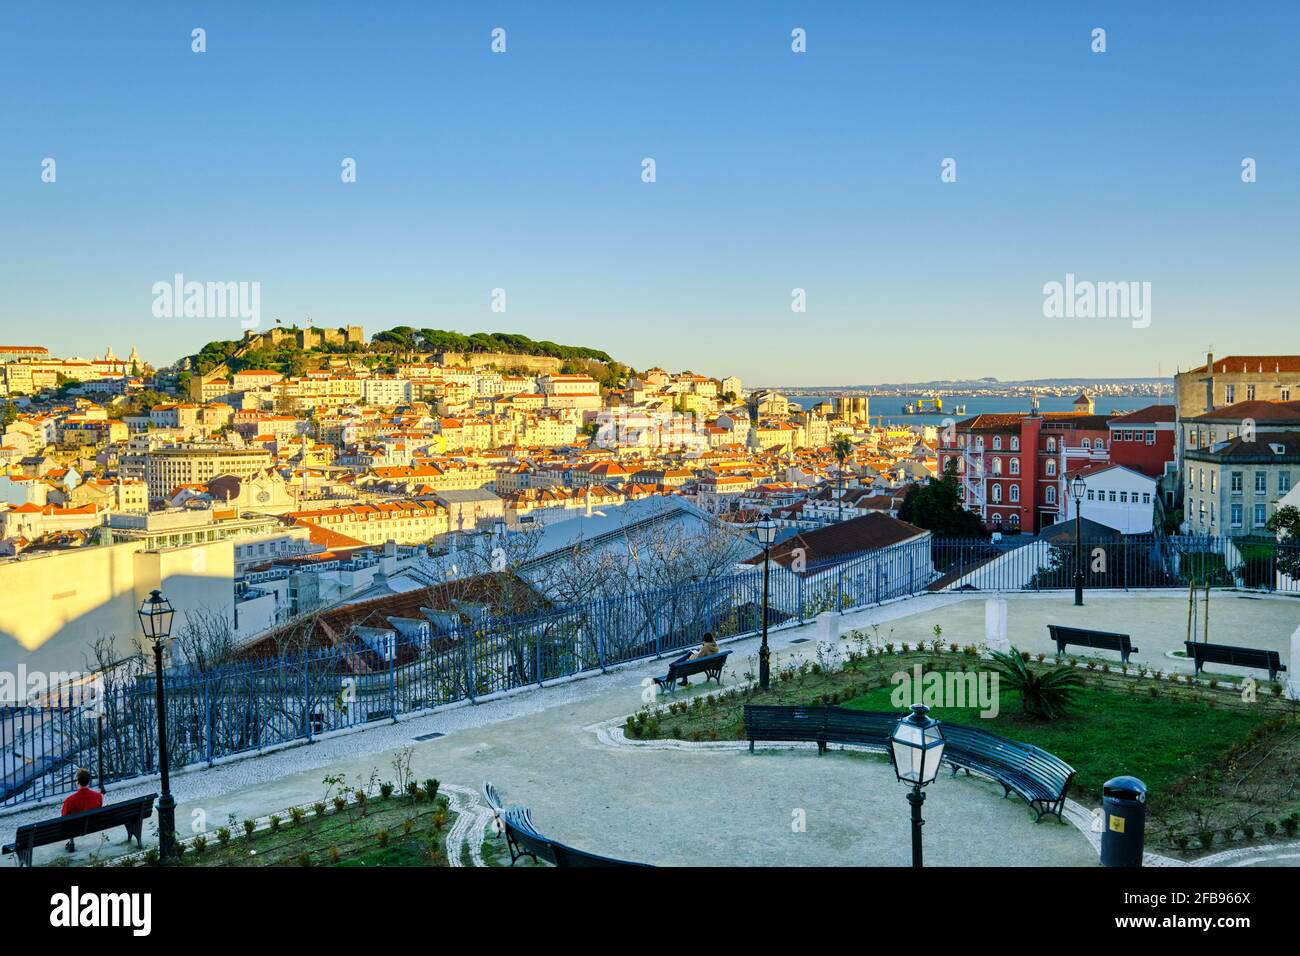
[
  {"x": 699, "y": 665},
  {"x": 568, "y": 856},
  {"x": 966, "y": 745},
  {"x": 1086, "y": 638},
  {"x": 1230, "y": 654},
  {"x": 88, "y": 821},
  {"x": 970, "y": 744}
]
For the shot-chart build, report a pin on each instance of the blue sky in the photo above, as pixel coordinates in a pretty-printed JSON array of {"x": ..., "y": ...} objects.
[{"x": 775, "y": 170}]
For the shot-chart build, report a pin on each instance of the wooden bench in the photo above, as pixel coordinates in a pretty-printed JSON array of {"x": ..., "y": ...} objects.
[
  {"x": 684, "y": 666},
  {"x": 1041, "y": 779},
  {"x": 1237, "y": 656},
  {"x": 523, "y": 839},
  {"x": 1082, "y": 637},
  {"x": 126, "y": 813}
]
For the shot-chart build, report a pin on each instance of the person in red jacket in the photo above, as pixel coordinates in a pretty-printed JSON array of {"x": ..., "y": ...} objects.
[{"x": 83, "y": 799}]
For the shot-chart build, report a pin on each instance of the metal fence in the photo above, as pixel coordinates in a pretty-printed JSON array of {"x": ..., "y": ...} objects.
[{"x": 262, "y": 704}]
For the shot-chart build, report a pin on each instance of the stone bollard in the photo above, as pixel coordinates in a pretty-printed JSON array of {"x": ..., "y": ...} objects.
[
  {"x": 828, "y": 626},
  {"x": 995, "y": 624},
  {"x": 1293, "y": 667}
]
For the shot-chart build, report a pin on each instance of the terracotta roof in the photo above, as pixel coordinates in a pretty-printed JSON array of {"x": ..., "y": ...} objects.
[
  {"x": 867, "y": 533},
  {"x": 1258, "y": 410},
  {"x": 1152, "y": 414},
  {"x": 1254, "y": 363}
]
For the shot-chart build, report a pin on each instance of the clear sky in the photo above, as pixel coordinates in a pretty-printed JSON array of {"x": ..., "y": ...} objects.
[{"x": 775, "y": 170}]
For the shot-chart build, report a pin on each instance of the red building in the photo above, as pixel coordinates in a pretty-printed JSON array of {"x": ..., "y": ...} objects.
[
  {"x": 1013, "y": 467},
  {"x": 1145, "y": 440}
]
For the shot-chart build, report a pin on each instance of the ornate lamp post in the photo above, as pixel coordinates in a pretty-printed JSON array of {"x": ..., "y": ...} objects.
[
  {"x": 156, "y": 622},
  {"x": 766, "y": 531},
  {"x": 1077, "y": 488},
  {"x": 915, "y": 750}
]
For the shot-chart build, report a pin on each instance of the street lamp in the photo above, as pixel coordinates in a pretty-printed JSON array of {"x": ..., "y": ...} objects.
[
  {"x": 1077, "y": 488},
  {"x": 915, "y": 750},
  {"x": 766, "y": 531},
  {"x": 156, "y": 622}
]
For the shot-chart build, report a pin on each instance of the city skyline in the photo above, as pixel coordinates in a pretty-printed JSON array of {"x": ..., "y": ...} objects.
[{"x": 775, "y": 171}]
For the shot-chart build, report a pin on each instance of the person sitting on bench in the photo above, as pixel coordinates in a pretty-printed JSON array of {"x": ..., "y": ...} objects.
[
  {"x": 707, "y": 649},
  {"x": 82, "y": 800}
]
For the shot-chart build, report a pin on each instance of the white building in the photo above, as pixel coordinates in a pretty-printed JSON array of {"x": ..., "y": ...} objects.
[{"x": 1117, "y": 497}]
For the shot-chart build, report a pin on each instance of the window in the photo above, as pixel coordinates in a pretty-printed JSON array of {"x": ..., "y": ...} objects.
[
  {"x": 1146, "y": 497},
  {"x": 997, "y": 520},
  {"x": 1283, "y": 482},
  {"x": 1261, "y": 482},
  {"x": 1015, "y": 443},
  {"x": 1050, "y": 496},
  {"x": 1237, "y": 482},
  {"x": 1261, "y": 515},
  {"x": 1128, "y": 436},
  {"x": 979, "y": 442},
  {"x": 1015, "y": 466},
  {"x": 997, "y": 466},
  {"x": 1286, "y": 393},
  {"x": 1236, "y": 514},
  {"x": 1230, "y": 393},
  {"x": 1087, "y": 443},
  {"x": 1015, "y": 495},
  {"x": 1123, "y": 497},
  {"x": 1051, "y": 444},
  {"x": 1015, "y": 520},
  {"x": 1151, "y": 437},
  {"x": 1250, "y": 393},
  {"x": 997, "y": 442},
  {"x": 1090, "y": 494},
  {"x": 997, "y": 494},
  {"x": 1051, "y": 467}
]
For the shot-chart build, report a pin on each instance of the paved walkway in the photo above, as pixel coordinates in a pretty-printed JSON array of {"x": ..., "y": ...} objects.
[{"x": 678, "y": 804}]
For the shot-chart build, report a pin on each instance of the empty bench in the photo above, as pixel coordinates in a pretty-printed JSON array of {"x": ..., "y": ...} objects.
[
  {"x": 1040, "y": 778},
  {"x": 1082, "y": 637},
  {"x": 1237, "y": 656},
  {"x": 522, "y": 838},
  {"x": 684, "y": 666},
  {"x": 126, "y": 813}
]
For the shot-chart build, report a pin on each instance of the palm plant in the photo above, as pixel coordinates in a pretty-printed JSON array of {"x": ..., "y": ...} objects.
[
  {"x": 1045, "y": 693},
  {"x": 842, "y": 446}
]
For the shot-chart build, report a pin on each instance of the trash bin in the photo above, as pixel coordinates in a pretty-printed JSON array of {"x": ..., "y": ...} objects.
[{"x": 1124, "y": 817}]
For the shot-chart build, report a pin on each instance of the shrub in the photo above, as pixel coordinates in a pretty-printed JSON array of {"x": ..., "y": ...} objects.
[
  {"x": 249, "y": 827},
  {"x": 385, "y": 790},
  {"x": 340, "y": 803},
  {"x": 334, "y": 854},
  {"x": 1270, "y": 828},
  {"x": 319, "y": 809},
  {"x": 413, "y": 790},
  {"x": 382, "y": 836},
  {"x": 431, "y": 788},
  {"x": 275, "y": 823},
  {"x": 223, "y": 835},
  {"x": 200, "y": 843},
  {"x": 304, "y": 858},
  {"x": 1207, "y": 839},
  {"x": 151, "y": 856},
  {"x": 296, "y": 814},
  {"x": 1045, "y": 694},
  {"x": 1291, "y": 824}
]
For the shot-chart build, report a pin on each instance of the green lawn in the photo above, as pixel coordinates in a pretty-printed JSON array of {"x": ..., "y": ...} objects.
[{"x": 1109, "y": 733}]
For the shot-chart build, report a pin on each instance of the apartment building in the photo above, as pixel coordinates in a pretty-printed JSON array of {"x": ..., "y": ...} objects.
[
  {"x": 168, "y": 467},
  {"x": 405, "y": 521},
  {"x": 1232, "y": 487}
]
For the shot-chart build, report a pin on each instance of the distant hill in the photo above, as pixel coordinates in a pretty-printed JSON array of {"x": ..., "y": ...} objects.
[{"x": 406, "y": 338}]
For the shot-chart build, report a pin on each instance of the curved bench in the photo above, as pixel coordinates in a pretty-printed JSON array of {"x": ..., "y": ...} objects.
[
  {"x": 523, "y": 839},
  {"x": 1039, "y": 778}
]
